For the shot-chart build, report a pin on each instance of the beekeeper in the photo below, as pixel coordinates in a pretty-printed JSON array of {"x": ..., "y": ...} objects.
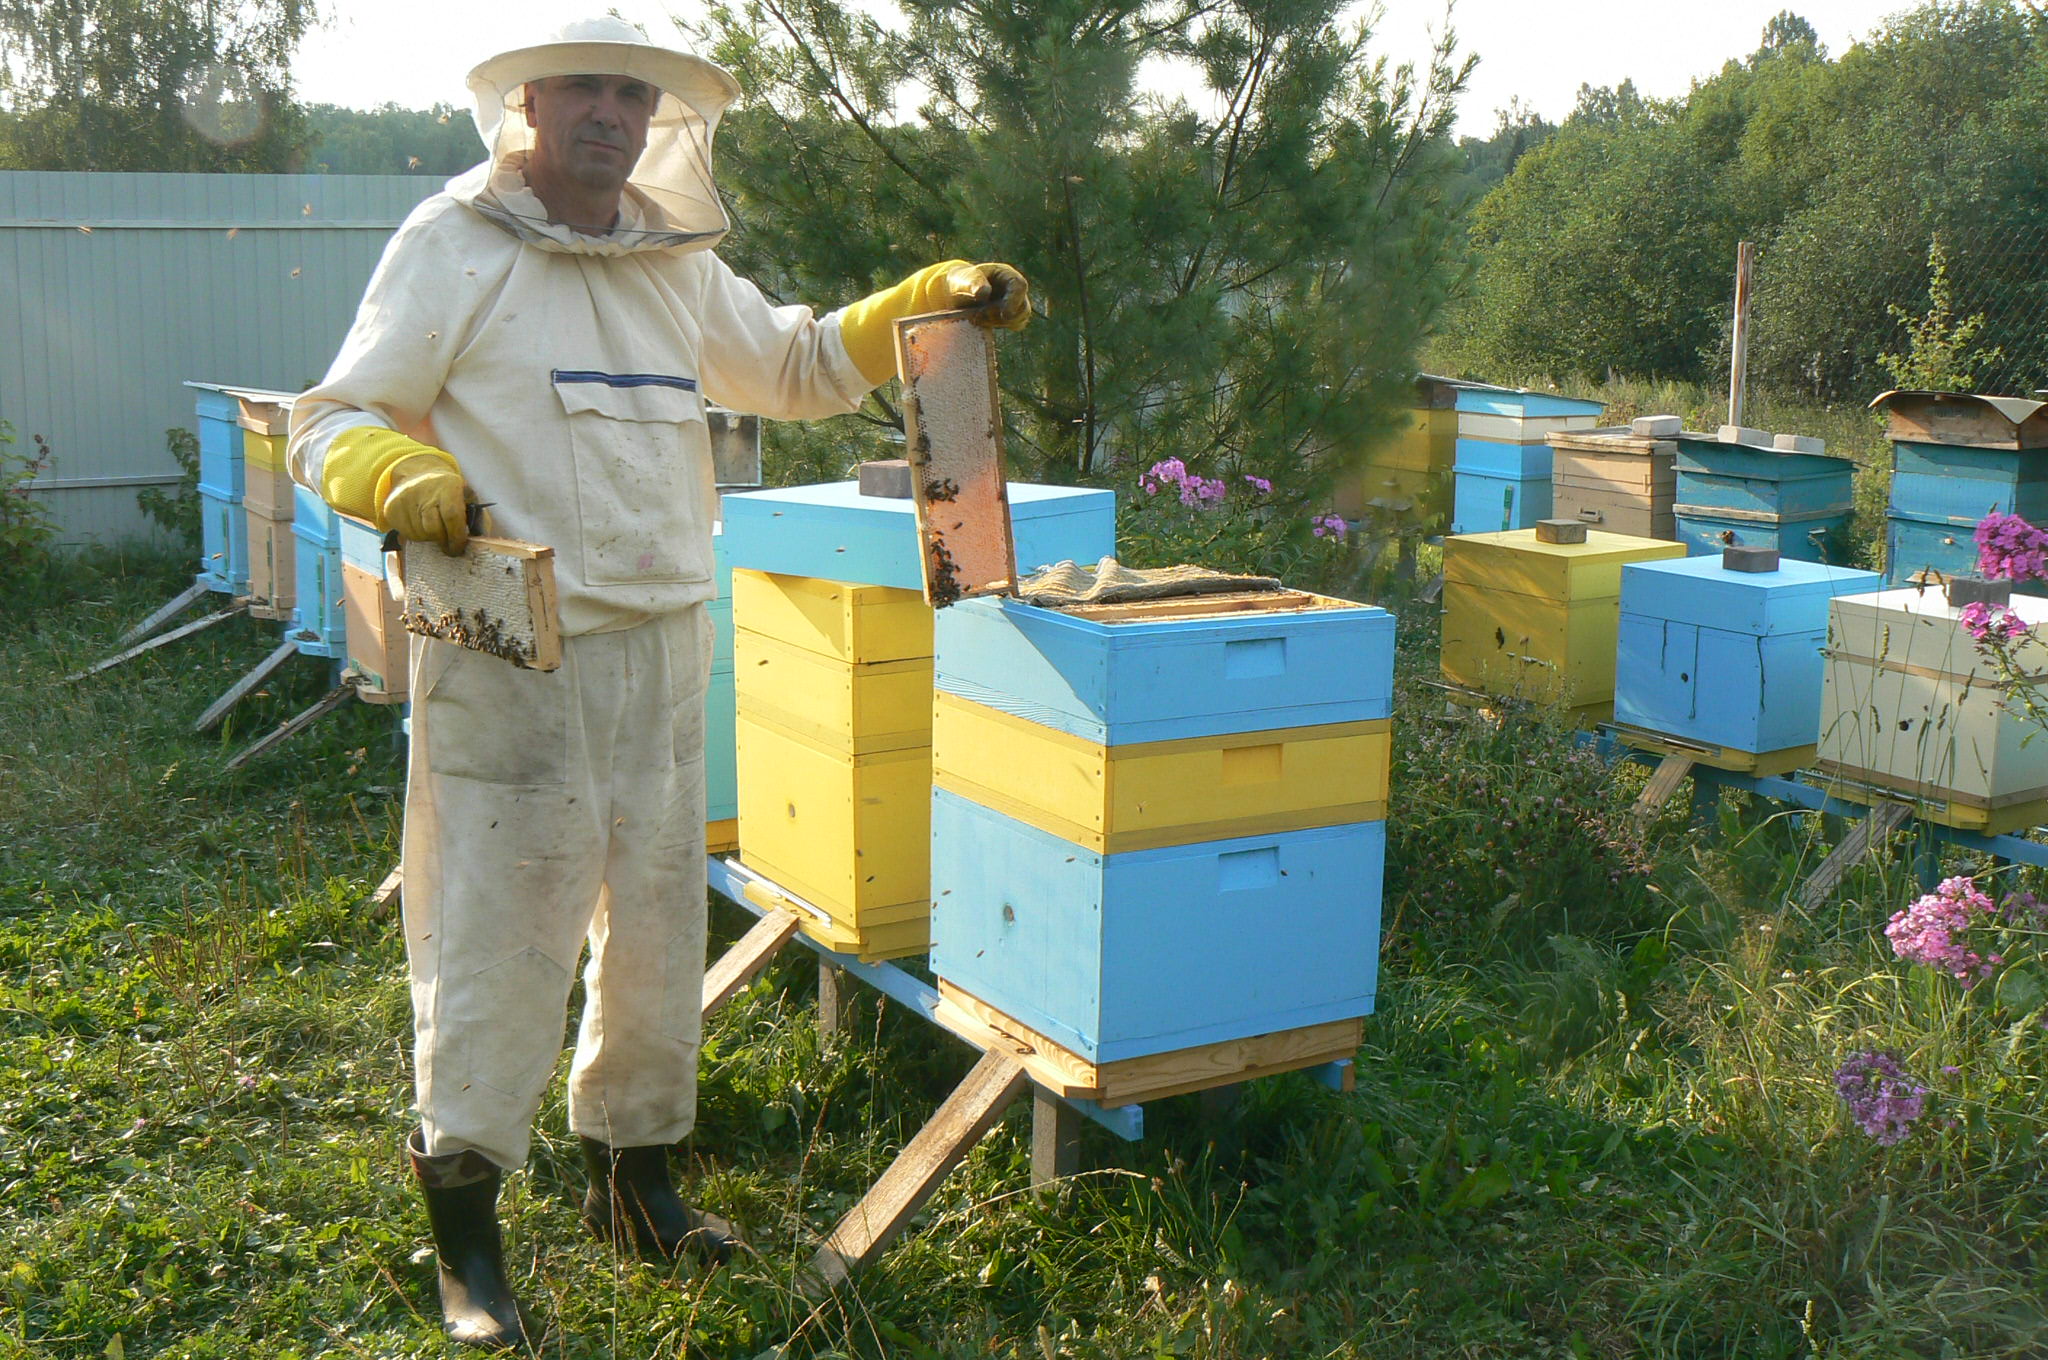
[{"x": 542, "y": 337}]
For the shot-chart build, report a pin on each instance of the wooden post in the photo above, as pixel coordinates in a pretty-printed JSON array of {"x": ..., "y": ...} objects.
[
  {"x": 1055, "y": 1138},
  {"x": 1738, "y": 363},
  {"x": 835, "y": 1000}
]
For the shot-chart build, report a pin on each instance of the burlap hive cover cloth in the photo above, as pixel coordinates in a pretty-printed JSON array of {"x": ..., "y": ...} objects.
[{"x": 1111, "y": 582}]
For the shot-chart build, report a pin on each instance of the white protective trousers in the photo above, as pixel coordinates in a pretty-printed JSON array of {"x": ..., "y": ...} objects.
[{"x": 543, "y": 809}]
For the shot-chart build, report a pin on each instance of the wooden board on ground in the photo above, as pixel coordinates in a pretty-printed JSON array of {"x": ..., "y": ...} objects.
[
  {"x": 1863, "y": 837},
  {"x": 953, "y": 428},
  {"x": 1131, "y": 1081},
  {"x": 498, "y": 598},
  {"x": 749, "y": 955},
  {"x": 870, "y": 1225}
]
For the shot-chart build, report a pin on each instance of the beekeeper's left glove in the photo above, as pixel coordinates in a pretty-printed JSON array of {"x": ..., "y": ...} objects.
[{"x": 866, "y": 326}]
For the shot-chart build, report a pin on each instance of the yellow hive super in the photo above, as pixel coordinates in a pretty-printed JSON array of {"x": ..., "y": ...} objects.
[
  {"x": 1144, "y": 796},
  {"x": 833, "y": 691},
  {"x": 1538, "y": 621},
  {"x": 1406, "y": 467}
]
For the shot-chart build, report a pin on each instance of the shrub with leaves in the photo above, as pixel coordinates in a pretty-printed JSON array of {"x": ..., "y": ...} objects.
[
  {"x": 176, "y": 511},
  {"x": 28, "y": 533}
]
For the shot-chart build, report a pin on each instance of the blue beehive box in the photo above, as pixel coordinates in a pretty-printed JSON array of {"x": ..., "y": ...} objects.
[
  {"x": 1729, "y": 660},
  {"x": 1939, "y": 492},
  {"x": 1125, "y": 955},
  {"x": 1503, "y": 463},
  {"x": 1729, "y": 494},
  {"x": 223, "y": 531},
  {"x": 317, "y": 624},
  {"x": 832, "y": 532}
]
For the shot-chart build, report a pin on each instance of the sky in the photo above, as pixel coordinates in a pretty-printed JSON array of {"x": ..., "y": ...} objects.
[{"x": 416, "y": 52}]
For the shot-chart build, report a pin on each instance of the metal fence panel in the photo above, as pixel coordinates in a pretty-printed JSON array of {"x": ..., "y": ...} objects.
[{"x": 116, "y": 288}]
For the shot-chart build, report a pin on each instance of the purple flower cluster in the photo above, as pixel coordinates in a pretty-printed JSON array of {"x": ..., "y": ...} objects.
[
  {"x": 1193, "y": 489},
  {"x": 2010, "y": 549},
  {"x": 1881, "y": 1098},
  {"x": 1935, "y": 931},
  {"x": 1329, "y": 526},
  {"x": 1259, "y": 484},
  {"x": 1994, "y": 621}
]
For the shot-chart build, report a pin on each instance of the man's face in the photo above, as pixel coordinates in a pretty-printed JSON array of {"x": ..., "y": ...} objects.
[{"x": 589, "y": 129}]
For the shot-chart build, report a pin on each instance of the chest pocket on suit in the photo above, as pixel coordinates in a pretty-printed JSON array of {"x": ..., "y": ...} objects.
[{"x": 643, "y": 491}]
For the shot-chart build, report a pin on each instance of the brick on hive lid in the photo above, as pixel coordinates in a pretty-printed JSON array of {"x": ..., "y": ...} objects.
[
  {"x": 888, "y": 478},
  {"x": 1748, "y": 557},
  {"x": 1799, "y": 443},
  {"x": 1966, "y": 590},
  {"x": 1655, "y": 427},
  {"x": 1560, "y": 531},
  {"x": 1743, "y": 434}
]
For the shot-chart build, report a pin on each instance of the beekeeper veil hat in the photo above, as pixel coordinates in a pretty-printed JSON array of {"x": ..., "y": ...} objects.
[{"x": 670, "y": 197}]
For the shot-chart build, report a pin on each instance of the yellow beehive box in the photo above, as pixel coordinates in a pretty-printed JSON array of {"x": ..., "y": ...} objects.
[
  {"x": 1523, "y": 619},
  {"x": 1405, "y": 468},
  {"x": 273, "y": 569},
  {"x": 856, "y": 624},
  {"x": 848, "y": 833},
  {"x": 263, "y": 450},
  {"x": 849, "y": 708},
  {"x": 1149, "y": 795}
]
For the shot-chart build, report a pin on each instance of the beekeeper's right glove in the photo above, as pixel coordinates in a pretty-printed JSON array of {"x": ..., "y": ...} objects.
[{"x": 397, "y": 484}]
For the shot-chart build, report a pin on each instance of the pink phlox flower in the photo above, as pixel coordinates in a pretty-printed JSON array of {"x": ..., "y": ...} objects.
[
  {"x": 2011, "y": 549},
  {"x": 1934, "y": 931},
  {"x": 1993, "y": 621},
  {"x": 1329, "y": 526},
  {"x": 1202, "y": 490},
  {"x": 1259, "y": 484},
  {"x": 1882, "y": 1099},
  {"x": 1162, "y": 474}
]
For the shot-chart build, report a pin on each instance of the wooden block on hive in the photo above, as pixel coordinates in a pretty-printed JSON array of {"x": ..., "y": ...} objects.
[
  {"x": 498, "y": 598},
  {"x": 953, "y": 424}
]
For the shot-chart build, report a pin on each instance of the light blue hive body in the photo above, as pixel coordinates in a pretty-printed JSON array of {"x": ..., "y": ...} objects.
[
  {"x": 832, "y": 532},
  {"x": 317, "y": 624},
  {"x": 1727, "y": 658},
  {"x": 223, "y": 528},
  {"x": 1504, "y": 474},
  {"x": 1124, "y": 954},
  {"x": 1939, "y": 492}
]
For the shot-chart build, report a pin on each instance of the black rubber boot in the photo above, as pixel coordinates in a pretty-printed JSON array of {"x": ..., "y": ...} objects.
[
  {"x": 477, "y": 1306},
  {"x": 633, "y": 1200}
]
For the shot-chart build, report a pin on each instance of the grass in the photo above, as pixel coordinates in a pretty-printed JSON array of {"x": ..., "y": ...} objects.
[{"x": 1593, "y": 1115}]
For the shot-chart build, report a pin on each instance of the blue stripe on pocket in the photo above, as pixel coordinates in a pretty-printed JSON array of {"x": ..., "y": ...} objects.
[{"x": 575, "y": 375}]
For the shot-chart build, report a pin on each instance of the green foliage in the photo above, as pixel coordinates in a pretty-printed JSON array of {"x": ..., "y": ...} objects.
[
  {"x": 388, "y": 140},
  {"x": 176, "y": 511},
  {"x": 1244, "y": 291},
  {"x": 1612, "y": 246},
  {"x": 177, "y": 85},
  {"x": 1518, "y": 130},
  {"x": 27, "y": 529},
  {"x": 1941, "y": 353}
]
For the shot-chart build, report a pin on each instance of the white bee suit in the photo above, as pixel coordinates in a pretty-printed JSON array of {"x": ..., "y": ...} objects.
[{"x": 567, "y": 375}]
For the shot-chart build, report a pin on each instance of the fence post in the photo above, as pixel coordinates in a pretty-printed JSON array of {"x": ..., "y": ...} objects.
[{"x": 1738, "y": 364}]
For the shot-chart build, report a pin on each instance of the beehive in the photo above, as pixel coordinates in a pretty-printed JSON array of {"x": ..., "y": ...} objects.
[
  {"x": 1762, "y": 497},
  {"x": 1504, "y": 460},
  {"x": 317, "y": 625},
  {"x": 1535, "y": 621},
  {"x": 1727, "y": 664},
  {"x": 267, "y": 501},
  {"x": 834, "y": 533},
  {"x": 1957, "y": 458},
  {"x": 721, "y": 761},
  {"x": 1154, "y": 828},
  {"x": 1912, "y": 708},
  {"x": 833, "y": 733},
  {"x": 1614, "y": 480},
  {"x": 1406, "y": 475},
  {"x": 377, "y": 647},
  {"x": 223, "y": 530}
]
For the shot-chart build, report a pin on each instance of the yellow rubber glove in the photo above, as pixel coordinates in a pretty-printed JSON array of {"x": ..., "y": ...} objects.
[
  {"x": 397, "y": 483},
  {"x": 867, "y": 326}
]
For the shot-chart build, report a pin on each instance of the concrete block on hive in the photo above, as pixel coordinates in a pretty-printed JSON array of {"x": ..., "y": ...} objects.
[
  {"x": 1969, "y": 590},
  {"x": 1744, "y": 434},
  {"x": 1799, "y": 443},
  {"x": 885, "y": 477},
  {"x": 1737, "y": 557},
  {"x": 1655, "y": 427},
  {"x": 1560, "y": 531}
]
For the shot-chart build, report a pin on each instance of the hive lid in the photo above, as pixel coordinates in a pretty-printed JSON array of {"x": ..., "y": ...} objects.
[
  {"x": 1916, "y": 628},
  {"x": 1703, "y": 592},
  {"x": 1964, "y": 419},
  {"x": 1516, "y": 561}
]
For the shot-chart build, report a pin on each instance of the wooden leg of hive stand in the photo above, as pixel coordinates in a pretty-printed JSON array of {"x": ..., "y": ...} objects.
[
  {"x": 162, "y": 616},
  {"x": 1664, "y": 781},
  {"x": 391, "y": 892},
  {"x": 326, "y": 704},
  {"x": 184, "y": 630},
  {"x": 239, "y": 691},
  {"x": 749, "y": 954},
  {"x": 835, "y": 1000},
  {"x": 1863, "y": 837},
  {"x": 869, "y": 1226},
  {"x": 1055, "y": 1138}
]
